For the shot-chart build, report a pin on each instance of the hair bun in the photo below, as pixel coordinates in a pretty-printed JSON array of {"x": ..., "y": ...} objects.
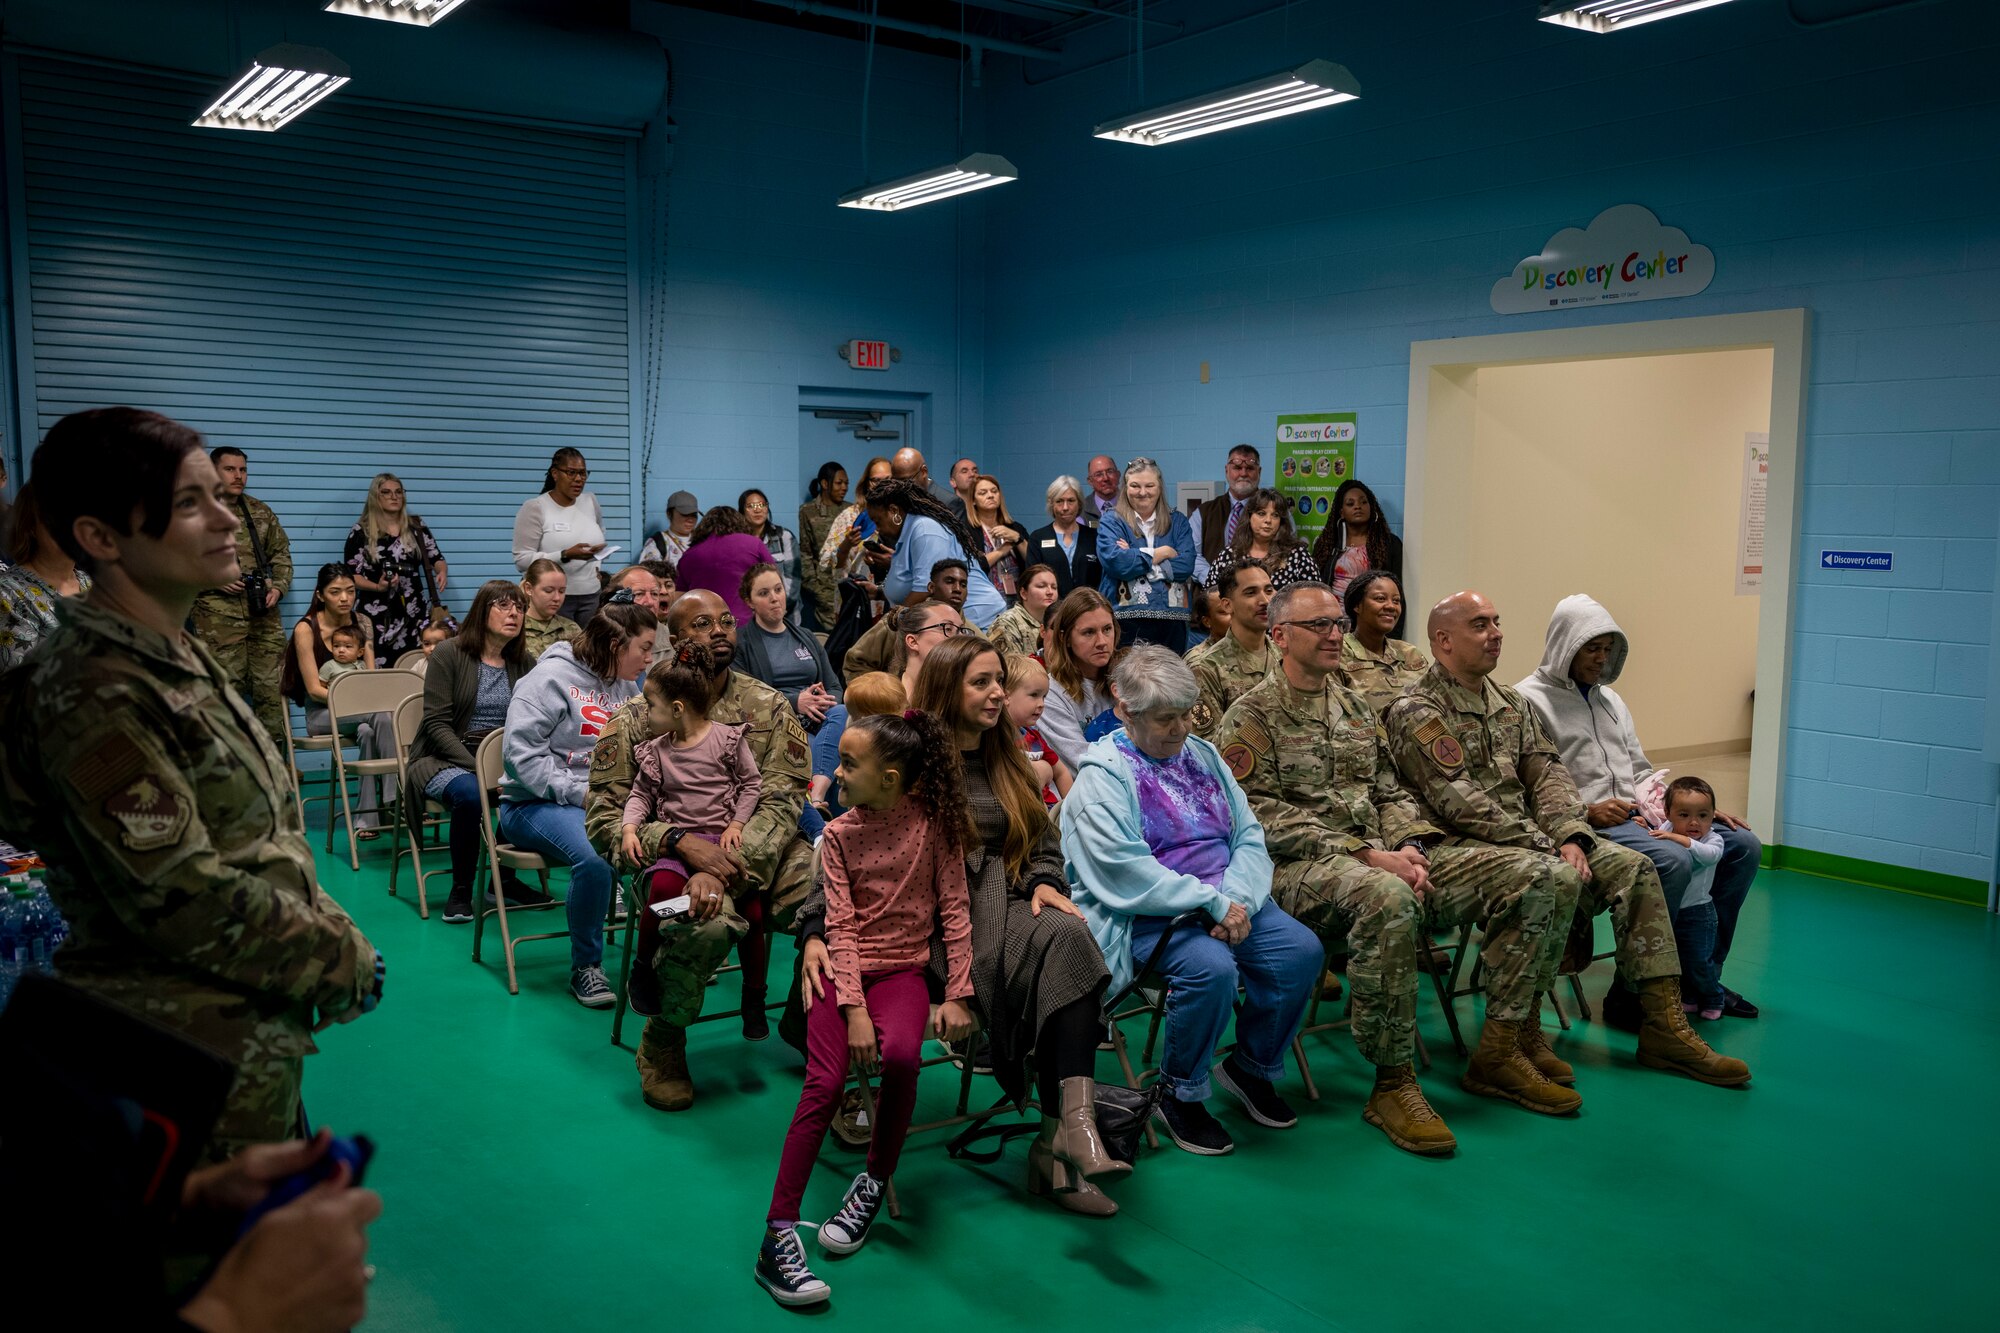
[{"x": 912, "y": 714}]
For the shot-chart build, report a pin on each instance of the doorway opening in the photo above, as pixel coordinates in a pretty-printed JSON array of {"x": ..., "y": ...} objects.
[
  {"x": 1617, "y": 461},
  {"x": 850, "y": 427}
]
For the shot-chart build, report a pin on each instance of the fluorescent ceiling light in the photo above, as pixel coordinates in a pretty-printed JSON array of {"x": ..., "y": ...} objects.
[
  {"x": 1314, "y": 84},
  {"x": 962, "y": 177},
  {"x": 423, "y": 13},
  {"x": 1618, "y": 15},
  {"x": 282, "y": 82}
]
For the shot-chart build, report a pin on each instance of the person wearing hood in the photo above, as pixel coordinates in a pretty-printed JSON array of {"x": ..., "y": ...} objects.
[
  {"x": 1592, "y": 728},
  {"x": 557, "y": 712},
  {"x": 1155, "y": 827}
]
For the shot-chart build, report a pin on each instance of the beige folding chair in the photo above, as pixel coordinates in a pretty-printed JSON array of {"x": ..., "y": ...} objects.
[
  {"x": 411, "y": 661},
  {"x": 361, "y": 694},
  {"x": 489, "y": 762},
  {"x": 409, "y": 717},
  {"x": 295, "y": 743}
]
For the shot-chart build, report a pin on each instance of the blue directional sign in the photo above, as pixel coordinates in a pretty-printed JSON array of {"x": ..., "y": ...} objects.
[{"x": 1872, "y": 562}]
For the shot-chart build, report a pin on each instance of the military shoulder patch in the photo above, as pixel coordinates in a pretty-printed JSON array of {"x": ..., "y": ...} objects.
[
  {"x": 1429, "y": 730},
  {"x": 107, "y": 766},
  {"x": 604, "y": 755},
  {"x": 1447, "y": 753},
  {"x": 1250, "y": 731},
  {"x": 1202, "y": 716},
  {"x": 1240, "y": 759},
  {"x": 149, "y": 818}
]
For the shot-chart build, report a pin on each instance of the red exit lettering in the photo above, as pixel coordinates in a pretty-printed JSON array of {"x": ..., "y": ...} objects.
[{"x": 864, "y": 355}]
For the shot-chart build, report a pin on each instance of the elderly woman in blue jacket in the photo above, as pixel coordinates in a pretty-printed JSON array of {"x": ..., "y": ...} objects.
[
  {"x": 1147, "y": 554},
  {"x": 1155, "y": 828}
]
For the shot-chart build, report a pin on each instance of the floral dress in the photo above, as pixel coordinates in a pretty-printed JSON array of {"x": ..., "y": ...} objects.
[
  {"x": 27, "y": 611},
  {"x": 400, "y": 609}
]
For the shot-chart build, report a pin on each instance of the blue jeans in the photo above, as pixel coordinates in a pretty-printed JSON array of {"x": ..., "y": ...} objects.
[
  {"x": 1741, "y": 850},
  {"x": 556, "y": 832},
  {"x": 1694, "y": 936},
  {"x": 1278, "y": 966}
]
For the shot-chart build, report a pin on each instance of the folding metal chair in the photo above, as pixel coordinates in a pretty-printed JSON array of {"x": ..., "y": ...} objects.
[
  {"x": 361, "y": 694},
  {"x": 488, "y": 762},
  {"x": 409, "y": 717},
  {"x": 312, "y": 744},
  {"x": 412, "y": 660},
  {"x": 630, "y": 883}
]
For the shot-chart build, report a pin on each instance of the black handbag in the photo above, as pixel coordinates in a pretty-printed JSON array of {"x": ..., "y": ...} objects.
[
  {"x": 1121, "y": 1118},
  {"x": 855, "y": 619}
]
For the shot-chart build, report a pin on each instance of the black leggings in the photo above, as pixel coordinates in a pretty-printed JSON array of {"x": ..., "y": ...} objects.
[{"x": 1067, "y": 1048}]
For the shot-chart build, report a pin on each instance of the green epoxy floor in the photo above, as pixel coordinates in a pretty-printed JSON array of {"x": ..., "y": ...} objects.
[{"x": 1851, "y": 1187}]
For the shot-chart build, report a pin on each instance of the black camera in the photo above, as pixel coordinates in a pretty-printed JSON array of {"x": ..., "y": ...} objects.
[{"x": 256, "y": 592}]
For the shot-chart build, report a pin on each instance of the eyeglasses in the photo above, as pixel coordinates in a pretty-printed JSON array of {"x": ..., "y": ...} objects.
[
  {"x": 946, "y": 628},
  {"x": 1321, "y": 626},
  {"x": 388, "y": 494},
  {"x": 703, "y": 624},
  {"x": 574, "y": 471}
]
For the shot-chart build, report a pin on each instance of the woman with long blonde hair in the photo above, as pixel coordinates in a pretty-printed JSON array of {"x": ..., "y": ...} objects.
[{"x": 397, "y": 566}]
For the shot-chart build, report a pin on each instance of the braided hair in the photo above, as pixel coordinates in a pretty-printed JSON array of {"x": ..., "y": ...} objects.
[
  {"x": 911, "y": 498},
  {"x": 684, "y": 677}
]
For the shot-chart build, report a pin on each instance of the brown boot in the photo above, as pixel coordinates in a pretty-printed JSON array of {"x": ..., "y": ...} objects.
[
  {"x": 1667, "y": 1042},
  {"x": 1397, "y": 1108},
  {"x": 1498, "y": 1069},
  {"x": 1330, "y": 987},
  {"x": 1047, "y": 1175},
  {"x": 663, "y": 1068},
  {"x": 1534, "y": 1044},
  {"x": 1077, "y": 1143}
]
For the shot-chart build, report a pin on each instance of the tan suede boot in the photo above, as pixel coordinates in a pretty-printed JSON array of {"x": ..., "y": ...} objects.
[
  {"x": 663, "y": 1070},
  {"x": 1667, "y": 1042},
  {"x": 1077, "y": 1142},
  {"x": 1535, "y": 1045},
  {"x": 1397, "y": 1107},
  {"x": 1049, "y": 1176},
  {"x": 1498, "y": 1069}
]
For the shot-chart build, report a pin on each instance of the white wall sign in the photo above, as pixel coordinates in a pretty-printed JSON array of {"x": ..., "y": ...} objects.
[
  {"x": 1625, "y": 254},
  {"x": 1750, "y": 516}
]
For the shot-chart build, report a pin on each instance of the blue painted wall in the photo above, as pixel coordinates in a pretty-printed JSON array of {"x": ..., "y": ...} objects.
[
  {"x": 1849, "y": 169},
  {"x": 765, "y": 277}
]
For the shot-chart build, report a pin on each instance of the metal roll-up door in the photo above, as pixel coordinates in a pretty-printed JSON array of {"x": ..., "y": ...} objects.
[{"x": 369, "y": 289}]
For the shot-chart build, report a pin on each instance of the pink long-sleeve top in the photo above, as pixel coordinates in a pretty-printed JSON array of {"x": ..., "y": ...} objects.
[
  {"x": 889, "y": 877},
  {"x": 702, "y": 788}
]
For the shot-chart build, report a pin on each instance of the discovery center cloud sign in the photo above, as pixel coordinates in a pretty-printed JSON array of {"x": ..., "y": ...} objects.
[{"x": 1625, "y": 254}]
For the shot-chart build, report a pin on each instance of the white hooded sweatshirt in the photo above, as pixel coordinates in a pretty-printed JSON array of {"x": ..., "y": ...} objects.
[{"x": 1594, "y": 735}]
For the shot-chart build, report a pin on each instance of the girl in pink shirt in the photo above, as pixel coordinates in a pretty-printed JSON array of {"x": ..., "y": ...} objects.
[
  {"x": 699, "y": 777},
  {"x": 894, "y": 873}
]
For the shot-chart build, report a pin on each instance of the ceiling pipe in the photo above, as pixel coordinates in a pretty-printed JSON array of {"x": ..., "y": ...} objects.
[
  {"x": 1039, "y": 9},
  {"x": 971, "y": 41}
]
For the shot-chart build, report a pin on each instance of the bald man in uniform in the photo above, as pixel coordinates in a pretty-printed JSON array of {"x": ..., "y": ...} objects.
[{"x": 1484, "y": 770}]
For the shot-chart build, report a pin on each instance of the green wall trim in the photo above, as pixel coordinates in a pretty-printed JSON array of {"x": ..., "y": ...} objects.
[{"x": 1926, "y": 883}]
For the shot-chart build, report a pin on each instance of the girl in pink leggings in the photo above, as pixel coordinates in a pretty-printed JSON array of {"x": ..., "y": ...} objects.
[{"x": 894, "y": 872}]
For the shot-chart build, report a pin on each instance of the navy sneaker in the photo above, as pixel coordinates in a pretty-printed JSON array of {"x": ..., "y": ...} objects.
[
  {"x": 1192, "y": 1128},
  {"x": 848, "y": 1227},
  {"x": 458, "y": 907},
  {"x": 782, "y": 1271},
  {"x": 590, "y": 988},
  {"x": 1259, "y": 1098}
]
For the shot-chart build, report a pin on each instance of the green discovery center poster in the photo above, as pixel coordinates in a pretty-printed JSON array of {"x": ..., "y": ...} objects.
[{"x": 1315, "y": 454}]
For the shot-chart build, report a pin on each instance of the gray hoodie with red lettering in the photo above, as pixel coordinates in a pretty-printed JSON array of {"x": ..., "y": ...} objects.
[{"x": 558, "y": 711}]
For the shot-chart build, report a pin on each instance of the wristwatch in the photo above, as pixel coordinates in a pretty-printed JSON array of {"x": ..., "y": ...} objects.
[{"x": 671, "y": 843}]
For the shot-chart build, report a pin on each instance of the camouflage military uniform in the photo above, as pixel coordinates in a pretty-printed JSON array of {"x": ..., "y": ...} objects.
[
  {"x": 1316, "y": 770},
  {"x": 251, "y": 648},
  {"x": 1225, "y": 672},
  {"x": 1483, "y": 769},
  {"x": 776, "y": 858},
  {"x": 1016, "y": 630},
  {"x": 1379, "y": 680},
  {"x": 176, "y": 852},
  {"x": 541, "y": 635},
  {"x": 815, "y": 521}
]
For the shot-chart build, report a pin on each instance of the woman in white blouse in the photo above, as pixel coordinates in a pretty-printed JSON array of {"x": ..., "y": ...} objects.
[{"x": 564, "y": 524}]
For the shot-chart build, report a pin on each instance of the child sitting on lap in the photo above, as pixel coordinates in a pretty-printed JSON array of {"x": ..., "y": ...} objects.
[
  {"x": 1027, "y": 695},
  {"x": 1691, "y": 823},
  {"x": 697, "y": 776},
  {"x": 345, "y": 645},
  {"x": 894, "y": 870}
]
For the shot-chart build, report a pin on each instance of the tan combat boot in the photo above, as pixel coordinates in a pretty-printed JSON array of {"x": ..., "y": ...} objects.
[
  {"x": 1667, "y": 1042},
  {"x": 1397, "y": 1108},
  {"x": 663, "y": 1068},
  {"x": 1534, "y": 1044},
  {"x": 1498, "y": 1069}
]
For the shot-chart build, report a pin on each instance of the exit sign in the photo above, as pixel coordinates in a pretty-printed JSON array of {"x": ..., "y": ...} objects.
[{"x": 863, "y": 354}]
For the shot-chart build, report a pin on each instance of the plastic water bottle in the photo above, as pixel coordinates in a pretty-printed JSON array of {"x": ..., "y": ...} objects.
[
  {"x": 31, "y": 930},
  {"x": 11, "y": 944}
]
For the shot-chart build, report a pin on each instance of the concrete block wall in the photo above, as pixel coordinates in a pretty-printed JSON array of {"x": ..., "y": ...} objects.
[{"x": 1849, "y": 169}]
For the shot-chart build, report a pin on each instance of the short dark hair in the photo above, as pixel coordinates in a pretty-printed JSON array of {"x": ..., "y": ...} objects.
[
  {"x": 663, "y": 570},
  {"x": 1695, "y": 785},
  {"x": 114, "y": 464},
  {"x": 1250, "y": 451},
  {"x": 1281, "y": 604},
  {"x": 942, "y": 565},
  {"x": 222, "y": 451},
  {"x": 347, "y": 632},
  {"x": 1225, "y": 582},
  {"x": 1357, "y": 588}
]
